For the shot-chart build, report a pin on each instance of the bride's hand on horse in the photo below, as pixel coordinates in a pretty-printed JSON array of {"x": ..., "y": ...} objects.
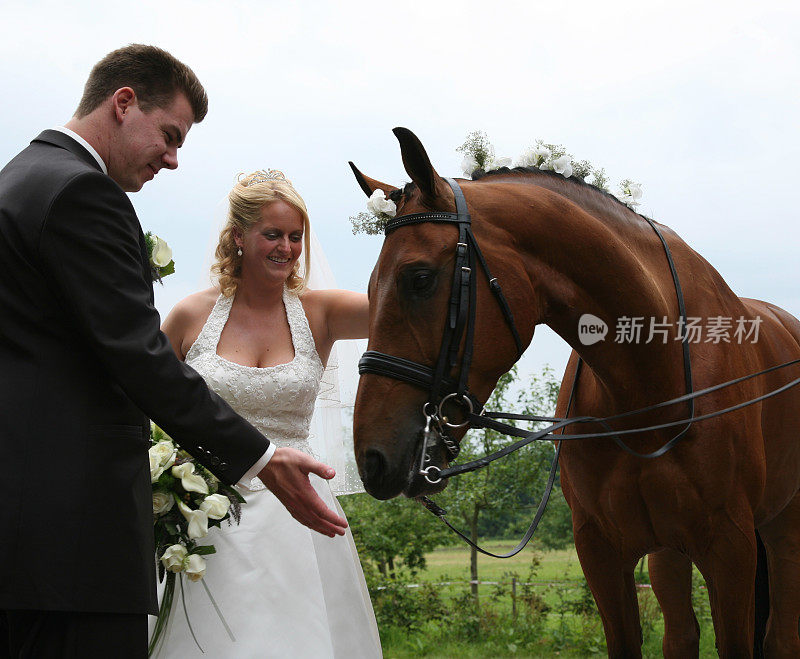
[{"x": 286, "y": 475}]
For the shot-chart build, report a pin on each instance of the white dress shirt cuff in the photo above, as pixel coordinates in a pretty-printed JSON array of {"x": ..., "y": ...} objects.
[{"x": 258, "y": 466}]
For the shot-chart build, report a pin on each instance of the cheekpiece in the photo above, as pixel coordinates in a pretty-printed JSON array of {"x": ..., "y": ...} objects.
[{"x": 264, "y": 175}]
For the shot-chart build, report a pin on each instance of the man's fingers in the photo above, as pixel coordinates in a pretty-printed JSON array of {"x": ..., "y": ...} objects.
[
  {"x": 321, "y": 469},
  {"x": 319, "y": 511}
]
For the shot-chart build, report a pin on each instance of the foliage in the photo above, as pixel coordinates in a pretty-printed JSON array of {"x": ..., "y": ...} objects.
[
  {"x": 395, "y": 533},
  {"x": 399, "y": 603}
]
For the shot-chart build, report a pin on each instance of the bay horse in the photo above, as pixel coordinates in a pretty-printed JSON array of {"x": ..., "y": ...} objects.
[{"x": 561, "y": 248}]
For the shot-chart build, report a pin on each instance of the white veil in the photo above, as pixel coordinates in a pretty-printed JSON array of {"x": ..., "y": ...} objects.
[{"x": 331, "y": 433}]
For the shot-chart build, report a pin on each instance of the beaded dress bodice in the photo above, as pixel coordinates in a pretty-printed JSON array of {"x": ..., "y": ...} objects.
[{"x": 277, "y": 400}]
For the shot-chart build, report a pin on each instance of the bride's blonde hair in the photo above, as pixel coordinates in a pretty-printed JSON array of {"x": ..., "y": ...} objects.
[{"x": 250, "y": 194}]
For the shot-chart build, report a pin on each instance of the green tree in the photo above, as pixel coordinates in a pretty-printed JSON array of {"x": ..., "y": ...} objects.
[
  {"x": 505, "y": 484},
  {"x": 393, "y": 533}
]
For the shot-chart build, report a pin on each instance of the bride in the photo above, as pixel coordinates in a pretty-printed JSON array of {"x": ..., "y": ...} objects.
[{"x": 261, "y": 340}]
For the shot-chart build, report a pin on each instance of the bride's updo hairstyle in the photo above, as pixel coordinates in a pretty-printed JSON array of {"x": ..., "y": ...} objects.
[{"x": 249, "y": 195}]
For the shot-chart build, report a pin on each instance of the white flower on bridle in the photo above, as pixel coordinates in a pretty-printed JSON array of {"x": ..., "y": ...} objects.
[{"x": 380, "y": 206}]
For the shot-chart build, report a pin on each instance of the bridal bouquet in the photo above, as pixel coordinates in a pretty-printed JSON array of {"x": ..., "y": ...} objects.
[{"x": 188, "y": 500}]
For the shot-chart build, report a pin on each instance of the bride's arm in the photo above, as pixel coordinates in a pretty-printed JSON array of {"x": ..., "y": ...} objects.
[
  {"x": 347, "y": 315},
  {"x": 334, "y": 315}
]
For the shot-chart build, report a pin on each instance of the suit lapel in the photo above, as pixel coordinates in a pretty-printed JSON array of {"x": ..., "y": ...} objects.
[{"x": 146, "y": 268}]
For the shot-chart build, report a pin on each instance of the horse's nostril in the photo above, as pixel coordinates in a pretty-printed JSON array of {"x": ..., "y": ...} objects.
[{"x": 374, "y": 466}]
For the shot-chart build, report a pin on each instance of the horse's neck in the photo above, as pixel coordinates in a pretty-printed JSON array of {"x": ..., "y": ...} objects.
[{"x": 593, "y": 258}]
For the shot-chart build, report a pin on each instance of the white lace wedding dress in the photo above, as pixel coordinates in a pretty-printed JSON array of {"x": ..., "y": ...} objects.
[{"x": 284, "y": 591}]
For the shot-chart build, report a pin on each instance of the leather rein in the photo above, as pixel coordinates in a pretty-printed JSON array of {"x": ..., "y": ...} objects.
[{"x": 443, "y": 387}]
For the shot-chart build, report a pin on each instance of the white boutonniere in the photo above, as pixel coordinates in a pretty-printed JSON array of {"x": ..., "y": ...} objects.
[{"x": 160, "y": 254}]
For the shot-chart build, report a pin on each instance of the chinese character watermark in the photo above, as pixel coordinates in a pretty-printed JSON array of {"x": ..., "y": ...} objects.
[{"x": 638, "y": 329}]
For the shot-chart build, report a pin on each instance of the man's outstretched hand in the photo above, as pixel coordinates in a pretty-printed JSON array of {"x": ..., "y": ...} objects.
[{"x": 286, "y": 475}]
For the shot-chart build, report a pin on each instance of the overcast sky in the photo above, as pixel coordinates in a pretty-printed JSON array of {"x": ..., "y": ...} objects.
[{"x": 697, "y": 101}]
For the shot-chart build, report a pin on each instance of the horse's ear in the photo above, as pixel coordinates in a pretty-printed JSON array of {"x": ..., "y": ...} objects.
[
  {"x": 418, "y": 166},
  {"x": 369, "y": 185}
]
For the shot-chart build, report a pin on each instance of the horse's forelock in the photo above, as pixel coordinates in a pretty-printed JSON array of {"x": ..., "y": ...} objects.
[{"x": 406, "y": 191}]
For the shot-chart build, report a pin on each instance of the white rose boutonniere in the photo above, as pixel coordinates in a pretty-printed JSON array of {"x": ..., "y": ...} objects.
[{"x": 379, "y": 205}]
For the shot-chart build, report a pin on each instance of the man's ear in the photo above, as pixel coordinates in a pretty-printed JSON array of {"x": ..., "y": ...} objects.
[{"x": 123, "y": 100}]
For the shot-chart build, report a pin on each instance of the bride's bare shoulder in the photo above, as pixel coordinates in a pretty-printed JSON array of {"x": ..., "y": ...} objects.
[{"x": 189, "y": 315}]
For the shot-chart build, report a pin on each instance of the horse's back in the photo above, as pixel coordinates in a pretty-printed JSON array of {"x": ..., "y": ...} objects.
[{"x": 781, "y": 316}]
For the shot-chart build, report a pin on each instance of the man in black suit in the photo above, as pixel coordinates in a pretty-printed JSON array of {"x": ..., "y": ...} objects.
[{"x": 84, "y": 367}]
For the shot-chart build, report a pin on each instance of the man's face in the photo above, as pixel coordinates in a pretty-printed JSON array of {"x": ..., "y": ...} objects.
[{"x": 148, "y": 141}]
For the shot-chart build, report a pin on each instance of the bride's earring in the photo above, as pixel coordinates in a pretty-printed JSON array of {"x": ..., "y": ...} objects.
[{"x": 239, "y": 251}]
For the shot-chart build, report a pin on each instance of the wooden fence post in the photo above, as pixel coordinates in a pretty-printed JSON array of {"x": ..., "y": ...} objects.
[{"x": 514, "y": 597}]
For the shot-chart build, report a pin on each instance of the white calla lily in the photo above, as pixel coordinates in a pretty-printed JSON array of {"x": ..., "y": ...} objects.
[
  {"x": 162, "y": 253},
  {"x": 190, "y": 481},
  {"x": 198, "y": 521}
]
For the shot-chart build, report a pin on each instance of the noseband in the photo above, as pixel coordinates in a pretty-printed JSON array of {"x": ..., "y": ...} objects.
[{"x": 442, "y": 386}]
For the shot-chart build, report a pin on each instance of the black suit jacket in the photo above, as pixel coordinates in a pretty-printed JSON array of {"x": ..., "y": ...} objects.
[{"x": 83, "y": 365}]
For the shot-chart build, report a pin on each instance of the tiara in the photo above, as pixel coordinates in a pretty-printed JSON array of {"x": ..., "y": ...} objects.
[{"x": 262, "y": 176}]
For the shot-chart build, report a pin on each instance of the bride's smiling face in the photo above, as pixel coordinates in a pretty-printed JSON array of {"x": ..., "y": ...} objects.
[{"x": 273, "y": 245}]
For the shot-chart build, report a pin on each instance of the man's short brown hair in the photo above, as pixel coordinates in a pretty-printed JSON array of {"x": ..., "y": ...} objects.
[{"x": 154, "y": 74}]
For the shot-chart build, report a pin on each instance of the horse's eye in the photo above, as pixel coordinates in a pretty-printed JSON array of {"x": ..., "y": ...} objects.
[
  {"x": 418, "y": 282},
  {"x": 422, "y": 281}
]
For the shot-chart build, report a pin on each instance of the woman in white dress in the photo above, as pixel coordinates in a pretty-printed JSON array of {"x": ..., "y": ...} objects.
[{"x": 261, "y": 340}]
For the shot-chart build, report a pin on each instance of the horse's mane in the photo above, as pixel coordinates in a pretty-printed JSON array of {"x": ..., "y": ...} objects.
[
  {"x": 579, "y": 184},
  {"x": 534, "y": 172}
]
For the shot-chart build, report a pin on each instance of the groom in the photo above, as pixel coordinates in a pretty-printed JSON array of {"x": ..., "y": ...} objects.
[{"x": 84, "y": 366}]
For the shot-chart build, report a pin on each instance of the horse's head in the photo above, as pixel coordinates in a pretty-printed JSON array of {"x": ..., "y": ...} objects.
[{"x": 409, "y": 292}]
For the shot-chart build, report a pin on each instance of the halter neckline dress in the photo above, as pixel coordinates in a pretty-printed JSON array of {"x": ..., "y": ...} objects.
[{"x": 284, "y": 590}]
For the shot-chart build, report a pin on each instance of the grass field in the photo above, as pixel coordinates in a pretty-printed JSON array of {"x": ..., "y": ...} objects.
[{"x": 559, "y": 631}]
